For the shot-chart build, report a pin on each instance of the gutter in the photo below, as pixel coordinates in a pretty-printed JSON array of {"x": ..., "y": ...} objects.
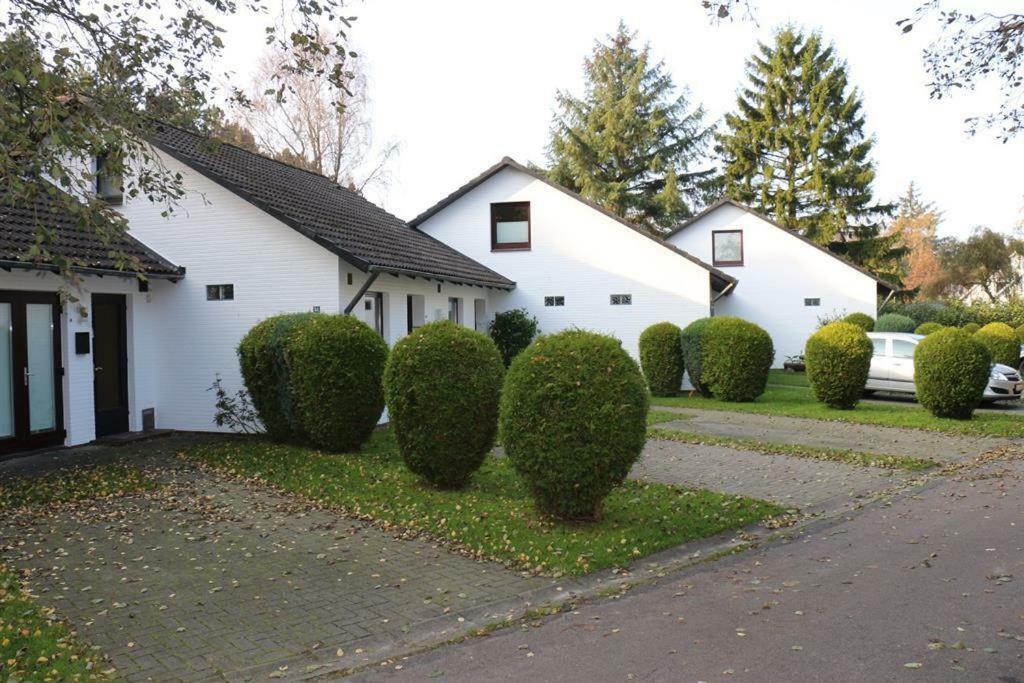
[
  {"x": 362, "y": 290},
  {"x": 100, "y": 272},
  {"x": 886, "y": 300},
  {"x": 728, "y": 288}
]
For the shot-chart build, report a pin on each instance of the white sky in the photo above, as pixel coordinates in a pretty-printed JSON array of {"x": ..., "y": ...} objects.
[{"x": 461, "y": 83}]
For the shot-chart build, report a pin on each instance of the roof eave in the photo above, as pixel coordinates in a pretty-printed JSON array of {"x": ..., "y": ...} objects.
[
  {"x": 175, "y": 276},
  {"x": 508, "y": 286}
]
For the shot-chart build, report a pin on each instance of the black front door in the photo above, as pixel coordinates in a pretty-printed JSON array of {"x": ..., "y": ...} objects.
[
  {"x": 31, "y": 403},
  {"x": 110, "y": 363}
]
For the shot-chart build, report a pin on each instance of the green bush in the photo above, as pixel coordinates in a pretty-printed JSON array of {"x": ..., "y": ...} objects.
[
  {"x": 838, "y": 358},
  {"x": 337, "y": 367},
  {"x": 573, "y": 420},
  {"x": 512, "y": 331},
  {"x": 951, "y": 370},
  {"x": 894, "y": 322},
  {"x": 861, "y": 320},
  {"x": 1020, "y": 334},
  {"x": 947, "y": 313},
  {"x": 692, "y": 343},
  {"x": 736, "y": 356},
  {"x": 928, "y": 328},
  {"x": 1001, "y": 341},
  {"x": 265, "y": 374},
  {"x": 971, "y": 328},
  {"x": 442, "y": 385},
  {"x": 661, "y": 357}
]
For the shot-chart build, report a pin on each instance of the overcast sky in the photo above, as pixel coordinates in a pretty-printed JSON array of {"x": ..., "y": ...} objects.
[{"x": 459, "y": 84}]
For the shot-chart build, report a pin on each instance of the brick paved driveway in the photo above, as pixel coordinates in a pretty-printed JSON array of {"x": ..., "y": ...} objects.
[{"x": 209, "y": 578}]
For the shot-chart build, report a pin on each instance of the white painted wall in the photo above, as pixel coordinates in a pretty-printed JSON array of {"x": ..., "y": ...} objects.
[
  {"x": 143, "y": 377},
  {"x": 779, "y": 271},
  {"x": 578, "y": 253}
]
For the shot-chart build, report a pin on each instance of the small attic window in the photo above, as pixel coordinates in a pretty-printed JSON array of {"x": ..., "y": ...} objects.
[
  {"x": 727, "y": 247},
  {"x": 109, "y": 178}
]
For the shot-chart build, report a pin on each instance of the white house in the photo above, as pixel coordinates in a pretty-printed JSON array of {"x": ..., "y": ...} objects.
[
  {"x": 789, "y": 282},
  {"x": 574, "y": 263}
]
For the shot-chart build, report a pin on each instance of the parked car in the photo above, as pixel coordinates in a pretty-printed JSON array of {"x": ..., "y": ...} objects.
[{"x": 892, "y": 369}]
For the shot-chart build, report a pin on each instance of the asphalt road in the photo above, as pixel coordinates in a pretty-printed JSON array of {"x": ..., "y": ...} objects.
[{"x": 927, "y": 588}]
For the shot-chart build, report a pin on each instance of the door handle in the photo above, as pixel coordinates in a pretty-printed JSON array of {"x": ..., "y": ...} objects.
[
  {"x": 97, "y": 368},
  {"x": 27, "y": 375}
]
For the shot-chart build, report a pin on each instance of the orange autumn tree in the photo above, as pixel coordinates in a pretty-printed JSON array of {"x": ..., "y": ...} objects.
[{"x": 916, "y": 222}]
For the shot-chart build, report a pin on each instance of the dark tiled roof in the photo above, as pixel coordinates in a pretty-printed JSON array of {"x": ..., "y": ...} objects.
[
  {"x": 18, "y": 225},
  {"x": 338, "y": 219},
  {"x": 720, "y": 280},
  {"x": 732, "y": 202}
]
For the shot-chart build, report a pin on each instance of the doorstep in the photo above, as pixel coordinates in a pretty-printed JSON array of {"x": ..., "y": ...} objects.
[{"x": 125, "y": 438}]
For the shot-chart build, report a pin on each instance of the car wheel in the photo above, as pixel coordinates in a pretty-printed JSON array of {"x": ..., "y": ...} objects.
[{"x": 868, "y": 392}]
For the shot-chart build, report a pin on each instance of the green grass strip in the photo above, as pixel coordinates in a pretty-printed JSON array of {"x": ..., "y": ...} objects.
[
  {"x": 494, "y": 517},
  {"x": 36, "y": 647},
  {"x": 892, "y": 462},
  {"x": 655, "y": 417}
]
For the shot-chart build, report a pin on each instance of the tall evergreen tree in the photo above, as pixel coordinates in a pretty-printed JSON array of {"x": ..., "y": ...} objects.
[
  {"x": 795, "y": 149},
  {"x": 633, "y": 143}
]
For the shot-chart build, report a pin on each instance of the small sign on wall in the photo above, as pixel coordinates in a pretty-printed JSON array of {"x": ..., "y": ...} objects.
[{"x": 81, "y": 343}]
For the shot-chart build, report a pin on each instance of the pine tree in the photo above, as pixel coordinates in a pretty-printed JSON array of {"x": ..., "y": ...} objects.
[
  {"x": 632, "y": 143},
  {"x": 796, "y": 150}
]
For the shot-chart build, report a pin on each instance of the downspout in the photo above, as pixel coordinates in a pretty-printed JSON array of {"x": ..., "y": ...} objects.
[
  {"x": 886, "y": 300},
  {"x": 362, "y": 290},
  {"x": 728, "y": 288}
]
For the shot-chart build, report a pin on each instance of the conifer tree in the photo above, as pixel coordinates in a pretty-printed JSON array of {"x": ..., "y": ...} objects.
[
  {"x": 795, "y": 149},
  {"x": 633, "y": 143}
]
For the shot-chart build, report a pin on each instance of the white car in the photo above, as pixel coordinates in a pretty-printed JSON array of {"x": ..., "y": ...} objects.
[{"x": 892, "y": 369}]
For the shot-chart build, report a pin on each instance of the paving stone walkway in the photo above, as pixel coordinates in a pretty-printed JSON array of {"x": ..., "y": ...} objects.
[
  {"x": 917, "y": 443},
  {"x": 211, "y": 579}
]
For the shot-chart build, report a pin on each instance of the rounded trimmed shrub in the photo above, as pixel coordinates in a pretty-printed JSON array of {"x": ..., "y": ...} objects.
[
  {"x": 951, "y": 370},
  {"x": 838, "y": 358},
  {"x": 661, "y": 358},
  {"x": 573, "y": 420},
  {"x": 265, "y": 374},
  {"x": 692, "y": 344},
  {"x": 442, "y": 386},
  {"x": 971, "y": 328},
  {"x": 336, "y": 366},
  {"x": 928, "y": 328},
  {"x": 861, "y": 320},
  {"x": 1020, "y": 334},
  {"x": 1001, "y": 341},
  {"x": 512, "y": 331},
  {"x": 894, "y": 322},
  {"x": 736, "y": 356}
]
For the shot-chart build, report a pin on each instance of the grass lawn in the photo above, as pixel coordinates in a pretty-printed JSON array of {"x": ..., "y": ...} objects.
[
  {"x": 656, "y": 417},
  {"x": 494, "y": 517},
  {"x": 789, "y": 401},
  {"x": 894, "y": 462},
  {"x": 788, "y": 378},
  {"x": 34, "y": 646},
  {"x": 73, "y": 483}
]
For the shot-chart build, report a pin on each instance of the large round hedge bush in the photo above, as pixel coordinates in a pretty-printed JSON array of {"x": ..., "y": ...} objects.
[
  {"x": 971, "y": 328},
  {"x": 512, "y": 331},
  {"x": 951, "y": 370},
  {"x": 928, "y": 328},
  {"x": 442, "y": 385},
  {"x": 692, "y": 343},
  {"x": 265, "y": 374},
  {"x": 661, "y": 358},
  {"x": 336, "y": 366},
  {"x": 838, "y": 358},
  {"x": 573, "y": 420},
  {"x": 1001, "y": 341},
  {"x": 894, "y": 322},
  {"x": 736, "y": 356},
  {"x": 861, "y": 320}
]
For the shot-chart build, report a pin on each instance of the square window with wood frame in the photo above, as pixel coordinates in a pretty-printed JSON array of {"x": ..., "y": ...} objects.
[
  {"x": 510, "y": 226},
  {"x": 727, "y": 247}
]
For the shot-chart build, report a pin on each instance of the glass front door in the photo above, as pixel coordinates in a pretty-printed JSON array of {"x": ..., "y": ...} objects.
[{"x": 30, "y": 371}]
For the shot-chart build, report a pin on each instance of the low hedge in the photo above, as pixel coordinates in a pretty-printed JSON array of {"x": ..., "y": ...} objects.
[
  {"x": 336, "y": 366},
  {"x": 265, "y": 374},
  {"x": 573, "y": 420},
  {"x": 512, "y": 331},
  {"x": 442, "y": 385},
  {"x": 736, "y": 356},
  {"x": 951, "y": 370},
  {"x": 861, "y": 320},
  {"x": 1001, "y": 341},
  {"x": 928, "y": 328},
  {"x": 692, "y": 343},
  {"x": 894, "y": 322},
  {"x": 661, "y": 358},
  {"x": 838, "y": 358}
]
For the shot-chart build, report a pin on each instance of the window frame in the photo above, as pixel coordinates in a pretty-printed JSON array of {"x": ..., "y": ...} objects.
[
  {"x": 554, "y": 300},
  {"x": 812, "y": 301},
  {"x": 221, "y": 289},
  {"x": 623, "y": 300},
  {"x": 511, "y": 246},
  {"x": 103, "y": 177},
  {"x": 714, "y": 252}
]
